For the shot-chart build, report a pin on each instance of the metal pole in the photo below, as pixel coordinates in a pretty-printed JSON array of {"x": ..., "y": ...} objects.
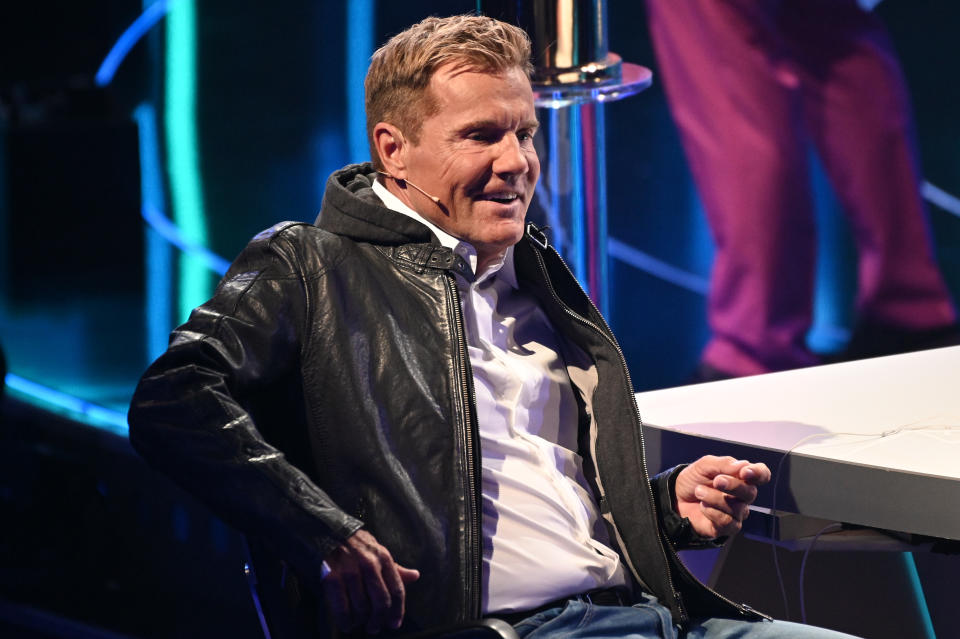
[{"x": 574, "y": 71}]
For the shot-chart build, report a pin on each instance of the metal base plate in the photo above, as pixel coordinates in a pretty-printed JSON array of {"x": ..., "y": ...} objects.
[{"x": 634, "y": 79}]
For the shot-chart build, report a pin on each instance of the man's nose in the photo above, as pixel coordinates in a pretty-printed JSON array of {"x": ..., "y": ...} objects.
[{"x": 511, "y": 159}]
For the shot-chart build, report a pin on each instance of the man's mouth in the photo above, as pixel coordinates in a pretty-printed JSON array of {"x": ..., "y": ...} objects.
[{"x": 501, "y": 197}]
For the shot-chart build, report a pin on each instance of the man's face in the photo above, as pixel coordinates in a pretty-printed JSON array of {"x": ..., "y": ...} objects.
[{"x": 476, "y": 155}]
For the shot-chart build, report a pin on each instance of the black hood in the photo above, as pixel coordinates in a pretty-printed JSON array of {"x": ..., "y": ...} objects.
[{"x": 351, "y": 208}]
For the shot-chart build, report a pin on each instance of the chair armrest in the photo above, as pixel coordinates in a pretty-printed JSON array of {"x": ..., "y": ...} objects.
[{"x": 481, "y": 629}]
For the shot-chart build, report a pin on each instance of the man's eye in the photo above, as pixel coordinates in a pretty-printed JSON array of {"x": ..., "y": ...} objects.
[{"x": 525, "y": 137}]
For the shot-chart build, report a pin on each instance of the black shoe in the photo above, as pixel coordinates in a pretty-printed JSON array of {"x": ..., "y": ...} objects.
[{"x": 876, "y": 340}]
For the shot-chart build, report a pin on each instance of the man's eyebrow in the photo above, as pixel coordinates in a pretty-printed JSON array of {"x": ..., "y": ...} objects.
[{"x": 496, "y": 124}]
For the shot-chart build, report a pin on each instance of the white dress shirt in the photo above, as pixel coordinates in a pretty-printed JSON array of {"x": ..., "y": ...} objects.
[{"x": 542, "y": 534}]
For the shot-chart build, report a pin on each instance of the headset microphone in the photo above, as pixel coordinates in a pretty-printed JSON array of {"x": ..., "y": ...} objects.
[{"x": 435, "y": 199}]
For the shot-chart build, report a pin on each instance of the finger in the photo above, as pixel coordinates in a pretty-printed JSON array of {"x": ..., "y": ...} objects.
[
  {"x": 359, "y": 601},
  {"x": 723, "y": 522},
  {"x": 696, "y": 474},
  {"x": 756, "y": 474},
  {"x": 373, "y": 567},
  {"x": 338, "y": 602},
  {"x": 745, "y": 492},
  {"x": 723, "y": 502},
  {"x": 732, "y": 466},
  {"x": 709, "y": 466},
  {"x": 714, "y": 499},
  {"x": 398, "y": 594},
  {"x": 729, "y": 518},
  {"x": 394, "y": 584},
  {"x": 408, "y": 575},
  {"x": 726, "y": 463}
]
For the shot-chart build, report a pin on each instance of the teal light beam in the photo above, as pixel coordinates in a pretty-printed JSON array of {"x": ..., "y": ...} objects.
[
  {"x": 195, "y": 285},
  {"x": 920, "y": 600}
]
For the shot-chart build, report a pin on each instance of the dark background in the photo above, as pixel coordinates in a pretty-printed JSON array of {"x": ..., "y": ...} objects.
[{"x": 89, "y": 535}]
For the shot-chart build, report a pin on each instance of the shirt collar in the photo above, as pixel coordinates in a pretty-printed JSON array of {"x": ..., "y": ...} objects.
[{"x": 504, "y": 268}]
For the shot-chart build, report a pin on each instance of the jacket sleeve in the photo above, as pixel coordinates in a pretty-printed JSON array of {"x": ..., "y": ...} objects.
[
  {"x": 188, "y": 417},
  {"x": 676, "y": 528}
]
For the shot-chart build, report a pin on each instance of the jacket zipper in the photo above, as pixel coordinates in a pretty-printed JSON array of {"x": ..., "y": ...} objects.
[
  {"x": 472, "y": 597},
  {"x": 742, "y": 607},
  {"x": 684, "y": 616}
]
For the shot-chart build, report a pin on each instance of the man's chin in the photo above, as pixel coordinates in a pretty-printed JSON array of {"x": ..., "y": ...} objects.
[
  {"x": 510, "y": 234},
  {"x": 502, "y": 242}
]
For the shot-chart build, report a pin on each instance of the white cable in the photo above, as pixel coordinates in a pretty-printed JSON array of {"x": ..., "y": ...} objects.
[
  {"x": 912, "y": 426},
  {"x": 803, "y": 567}
]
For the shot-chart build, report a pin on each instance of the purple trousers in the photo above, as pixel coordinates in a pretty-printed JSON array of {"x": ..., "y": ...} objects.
[{"x": 750, "y": 83}]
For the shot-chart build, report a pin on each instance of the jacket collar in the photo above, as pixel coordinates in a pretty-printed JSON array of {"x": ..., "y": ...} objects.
[{"x": 351, "y": 209}]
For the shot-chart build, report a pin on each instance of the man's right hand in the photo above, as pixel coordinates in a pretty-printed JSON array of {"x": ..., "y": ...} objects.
[{"x": 365, "y": 587}]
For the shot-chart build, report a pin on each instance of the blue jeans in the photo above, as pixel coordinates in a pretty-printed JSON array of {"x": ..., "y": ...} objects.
[{"x": 650, "y": 620}]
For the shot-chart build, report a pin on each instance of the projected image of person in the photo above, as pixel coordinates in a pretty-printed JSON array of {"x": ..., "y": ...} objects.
[{"x": 751, "y": 85}]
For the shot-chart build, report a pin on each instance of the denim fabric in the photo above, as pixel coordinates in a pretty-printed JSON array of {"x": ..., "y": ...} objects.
[{"x": 650, "y": 620}]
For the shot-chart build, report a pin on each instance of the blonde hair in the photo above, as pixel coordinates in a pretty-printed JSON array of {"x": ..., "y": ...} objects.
[{"x": 400, "y": 71}]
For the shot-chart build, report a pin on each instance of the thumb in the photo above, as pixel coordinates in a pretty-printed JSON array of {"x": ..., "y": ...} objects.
[{"x": 408, "y": 575}]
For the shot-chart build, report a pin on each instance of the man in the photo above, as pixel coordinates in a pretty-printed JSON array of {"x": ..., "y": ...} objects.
[{"x": 414, "y": 405}]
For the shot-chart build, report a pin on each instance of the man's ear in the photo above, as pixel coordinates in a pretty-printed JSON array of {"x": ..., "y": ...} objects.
[{"x": 391, "y": 147}]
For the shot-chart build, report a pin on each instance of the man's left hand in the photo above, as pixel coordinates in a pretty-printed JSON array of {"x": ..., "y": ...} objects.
[{"x": 715, "y": 493}]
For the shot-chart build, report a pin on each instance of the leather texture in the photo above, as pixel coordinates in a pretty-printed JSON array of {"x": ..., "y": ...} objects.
[{"x": 325, "y": 387}]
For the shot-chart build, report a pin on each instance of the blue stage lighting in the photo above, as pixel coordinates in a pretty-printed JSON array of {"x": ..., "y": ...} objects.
[
  {"x": 175, "y": 236},
  {"x": 658, "y": 268},
  {"x": 151, "y": 15},
  {"x": 359, "y": 47},
  {"x": 936, "y": 195},
  {"x": 68, "y": 405}
]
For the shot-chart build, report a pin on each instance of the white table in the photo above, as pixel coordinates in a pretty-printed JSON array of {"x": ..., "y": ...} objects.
[{"x": 874, "y": 442}]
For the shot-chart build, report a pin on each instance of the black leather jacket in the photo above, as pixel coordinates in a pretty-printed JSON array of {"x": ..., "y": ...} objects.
[{"x": 326, "y": 386}]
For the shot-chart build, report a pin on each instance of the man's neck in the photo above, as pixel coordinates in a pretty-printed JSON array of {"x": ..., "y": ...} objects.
[
  {"x": 485, "y": 261},
  {"x": 402, "y": 194},
  {"x": 397, "y": 199}
]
